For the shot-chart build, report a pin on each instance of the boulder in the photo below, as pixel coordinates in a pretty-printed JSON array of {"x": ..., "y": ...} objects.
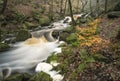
[
  {"x": 44, "y": 21},
  {"x": 4, "y": 47},
  {"x": 31, "y": 25},
  {"x": 22, "y": 35},
  {"x": 114, "y": 14}
]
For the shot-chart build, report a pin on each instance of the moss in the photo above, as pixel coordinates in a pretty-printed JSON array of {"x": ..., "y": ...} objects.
[
  {"x": 22, "y": 35},
  {"x": 63, "y": 36},
  {"x": 41, "y": 77},
  {"x": 72, "y": 40},
  {"x": 4, "y": 47},
  {"x": 18, "y": 77},
  {"x": 30, "y": 25},
  {"x": 73, "y": 76},
  {"x": 51, "y": 58},
  {"x": 3, "y": 33},
  {"x": 63, "y": 67},
  {"x": 44, "y": 21},
  {"x": 36, "y": 15},
  {"x": 64, "y": 60}
]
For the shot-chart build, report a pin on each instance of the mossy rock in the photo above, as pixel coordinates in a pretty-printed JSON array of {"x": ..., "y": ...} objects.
[
  {"x": 44, "y": 21},
  {"x": 51, "y": 58},
  {"x": 65, "y": 33},
  {"x": 30, "y": 25},
  {"x": 4, "y": 47},
  {"x": 22, "y": 35},
  {"x": 114, "y": 14},
  {"x": 18, "y": 77},
  {"x": 42, "y": 76}
]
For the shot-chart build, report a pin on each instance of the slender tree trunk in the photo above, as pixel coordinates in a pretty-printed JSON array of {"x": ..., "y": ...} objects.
[
  {"x": 98, "y": 7},
  {"x": 91, "y": 7},
  {"x": 65, "y": 7},
  {"x": 61, "y": 6},
  {"x": 51, "y": 10},
  {"x": 71, "y": 13},
  {"x": 106, "y": 4},
  {"x": 78, "y": 5},
  {"x": 84, "y": 3}
]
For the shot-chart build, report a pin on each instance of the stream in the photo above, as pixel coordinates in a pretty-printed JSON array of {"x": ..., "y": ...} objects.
[{"x": 28, "y": 54}]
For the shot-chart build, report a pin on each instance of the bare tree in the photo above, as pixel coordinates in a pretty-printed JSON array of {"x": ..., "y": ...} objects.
[
  {"x": 84, "y": 3},
  {"x": 71, "y": 13}
]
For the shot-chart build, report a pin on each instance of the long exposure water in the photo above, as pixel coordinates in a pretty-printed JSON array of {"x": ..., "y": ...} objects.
[{"x": 29, "y": 53}]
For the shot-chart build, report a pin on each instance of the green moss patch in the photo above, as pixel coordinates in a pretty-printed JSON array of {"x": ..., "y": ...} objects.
[
  {"x": 4, "y": 47},
  {"x": 22, "y": 35},
  {"x": 41, "y": 77}
]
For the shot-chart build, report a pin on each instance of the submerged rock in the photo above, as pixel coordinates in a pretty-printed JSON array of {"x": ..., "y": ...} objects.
[{"x": 22, "y": 35}]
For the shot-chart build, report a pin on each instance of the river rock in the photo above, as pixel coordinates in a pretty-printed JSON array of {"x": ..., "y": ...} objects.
[
  {"x": 22, "y": 35},
  {"x": 44, "y": 21},
  {"x": 31, "y": 25},
  {"x": 4, "y": 47}
]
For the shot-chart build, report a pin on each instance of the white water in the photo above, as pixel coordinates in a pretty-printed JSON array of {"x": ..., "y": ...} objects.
[{"x": 32, "y": 51}]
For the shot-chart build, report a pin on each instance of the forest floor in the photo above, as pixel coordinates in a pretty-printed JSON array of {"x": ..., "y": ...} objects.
[
  {"x": 93, "y": 52},
  {"x": 109, "y": 27},
  {"x": 107, "y": 68}
]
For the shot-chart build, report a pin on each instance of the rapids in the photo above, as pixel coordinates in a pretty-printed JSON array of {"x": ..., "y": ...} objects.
[{"x": 29, "y": 53}]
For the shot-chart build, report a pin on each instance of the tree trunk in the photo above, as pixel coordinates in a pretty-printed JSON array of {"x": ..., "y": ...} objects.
[
  {"x": 71, "y": 13},
  {"x": 61, "y": 7},
  {"x": 84, "y": 3},
  {"x": 78, "y": 5},
  {"x": 106, "y": 4},
  {"x": 98, "y": 8},
  {"x": 65, "y": 7},
  {"x": 91, "y": 7},
  {"x": 4, "y": 6},
  {"x": 51, "y": 10}
]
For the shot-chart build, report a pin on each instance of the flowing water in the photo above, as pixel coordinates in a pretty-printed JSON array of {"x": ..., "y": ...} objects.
[{"x": 29, "y": 53}]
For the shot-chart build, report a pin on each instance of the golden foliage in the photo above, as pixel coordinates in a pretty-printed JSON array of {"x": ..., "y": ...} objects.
[{"x": 87, "y": 37}]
